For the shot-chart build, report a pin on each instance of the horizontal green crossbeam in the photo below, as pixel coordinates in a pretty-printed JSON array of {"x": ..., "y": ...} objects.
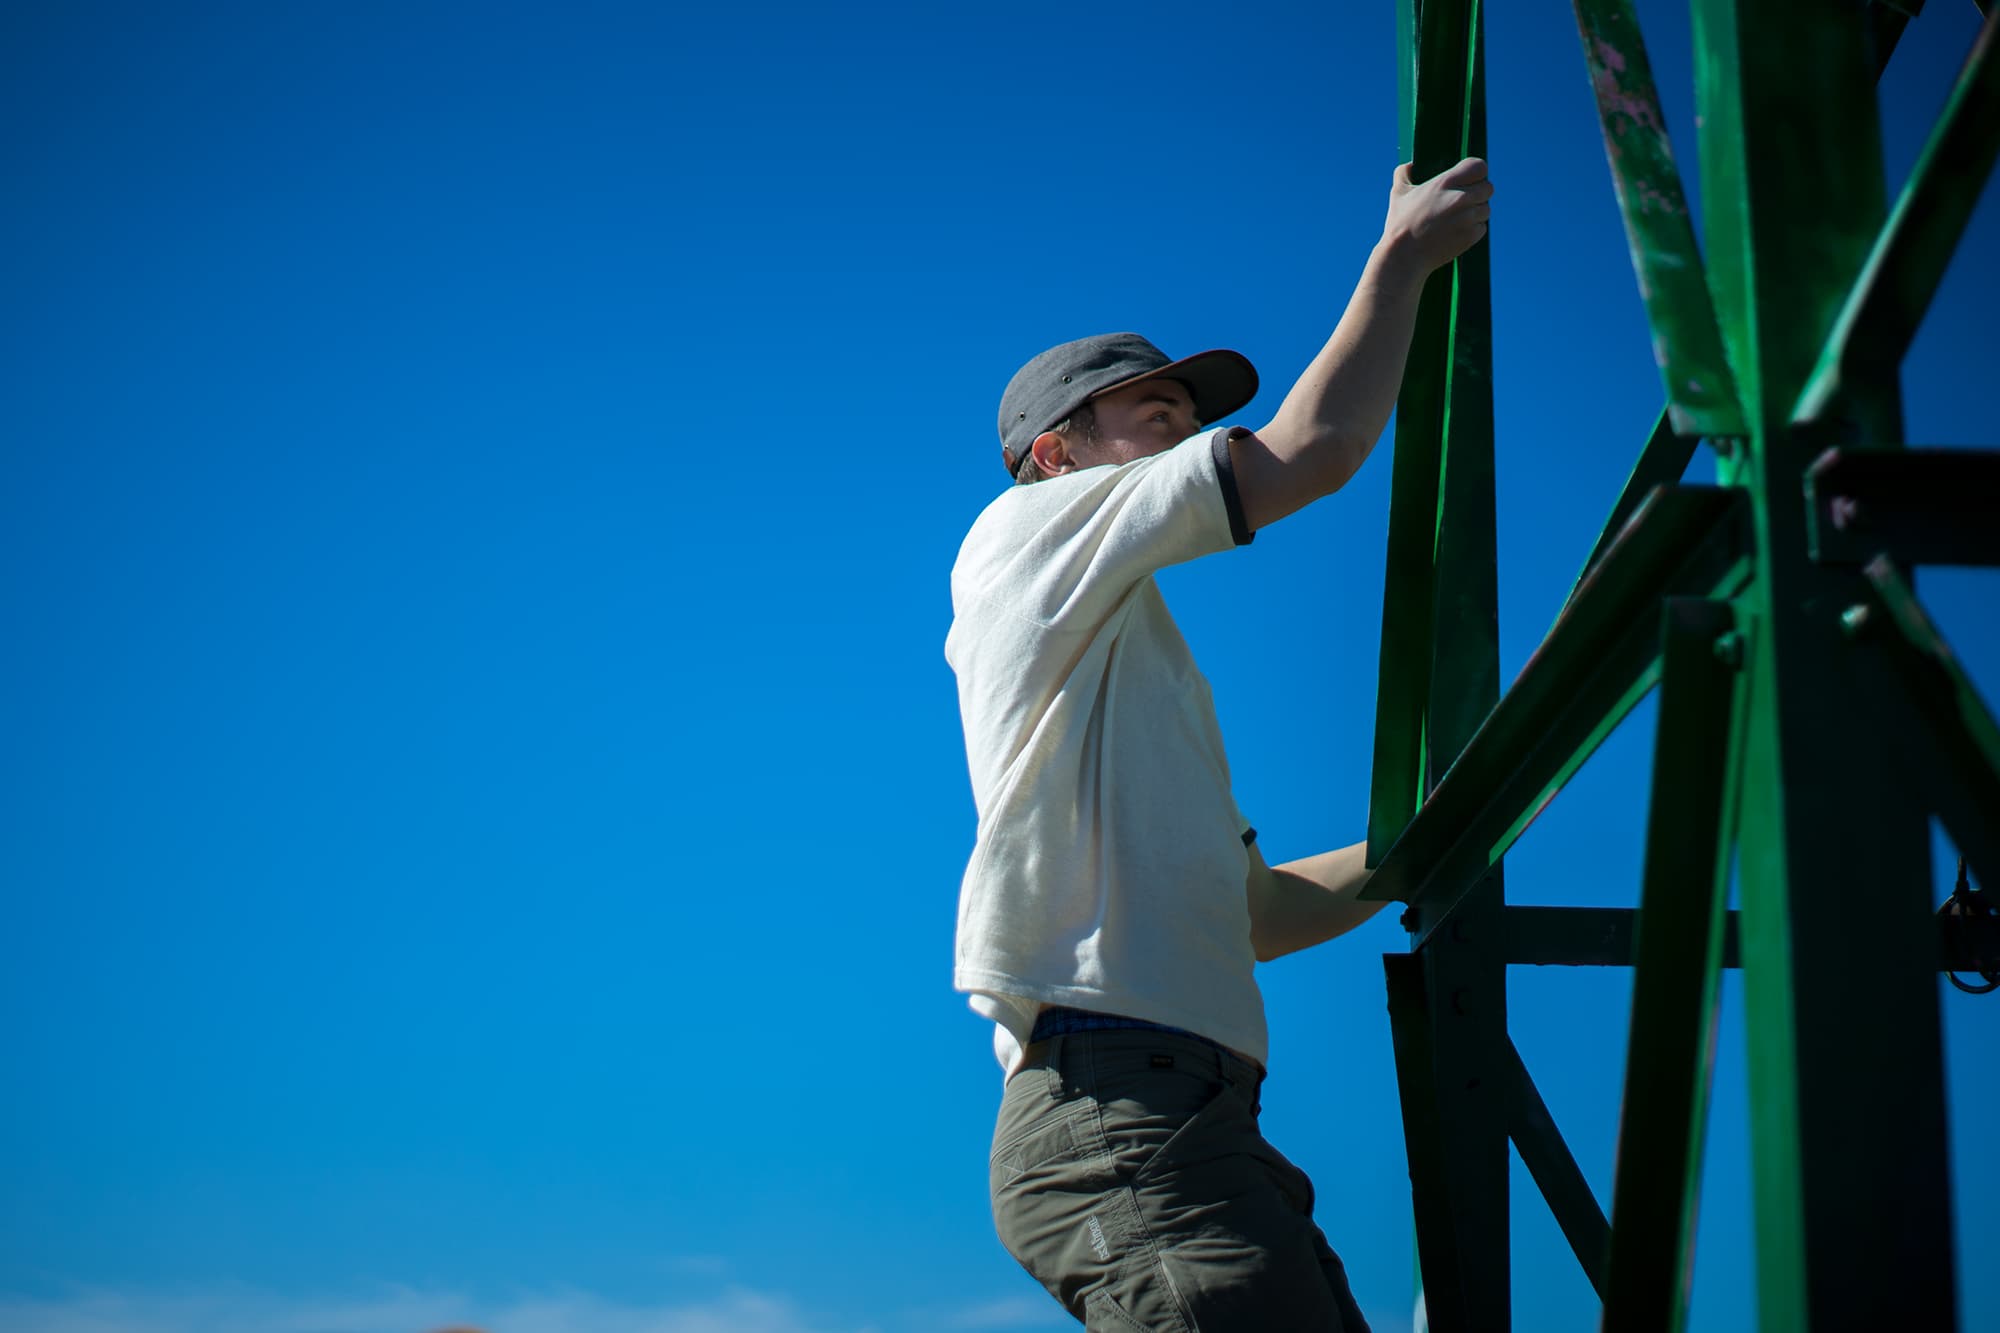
[
  {"x": 1908, "y": 261},
  {"x": 1603, "y": 937},
  {"x": 1687, "y": 345},
  {"x": 1915, "y": 506},
  {"x": 1588, "y": 672}
]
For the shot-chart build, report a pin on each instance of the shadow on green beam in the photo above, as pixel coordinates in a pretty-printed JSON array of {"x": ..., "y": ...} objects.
[
  {"x": 1910, "y": 254},
  {"x": 1590, "y": 670}
]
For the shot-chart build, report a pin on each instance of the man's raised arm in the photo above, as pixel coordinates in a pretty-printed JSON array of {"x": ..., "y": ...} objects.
[{"x": 1333, "y": 415}]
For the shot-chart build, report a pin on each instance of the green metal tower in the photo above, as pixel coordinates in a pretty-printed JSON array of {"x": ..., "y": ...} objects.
[{"x": 1811, "y": 720}]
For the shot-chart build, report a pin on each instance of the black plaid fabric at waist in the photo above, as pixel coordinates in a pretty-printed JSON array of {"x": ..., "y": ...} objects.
[{"x": 1059, "y": 1022}]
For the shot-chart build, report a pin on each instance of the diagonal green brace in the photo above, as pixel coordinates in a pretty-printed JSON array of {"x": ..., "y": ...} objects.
[
  {"x": 1687, "y": 345},
  {"x": 1902, "y": 272},
  {"x": 1555, "y": 1171},
  {"x": 1678, "y": 961},
  {"x": 1951, "y": 742}
]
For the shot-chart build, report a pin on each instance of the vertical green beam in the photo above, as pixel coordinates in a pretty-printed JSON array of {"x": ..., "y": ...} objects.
[
  {"x": 1403, "y": 688},
  {"x": 1466, "y": 965},
  {"x": 1850, "y": 1173},
  {"x": 1411, "y": 1026},
  {"x": 1678, "y": 961}
]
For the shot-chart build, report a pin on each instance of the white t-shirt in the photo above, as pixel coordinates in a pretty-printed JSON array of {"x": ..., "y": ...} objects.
[{"x": 1109, "y": 867}]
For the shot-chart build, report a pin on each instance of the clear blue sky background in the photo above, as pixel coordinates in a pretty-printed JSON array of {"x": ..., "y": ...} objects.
[{"x": 482, "y": 804}]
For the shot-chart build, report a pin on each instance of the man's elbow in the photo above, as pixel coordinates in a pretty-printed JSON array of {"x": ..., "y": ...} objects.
[{"x": 1276, "y": 480}]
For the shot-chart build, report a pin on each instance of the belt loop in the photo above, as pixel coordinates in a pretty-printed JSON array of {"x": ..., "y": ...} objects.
[{"x": 1054, "y": 1072}]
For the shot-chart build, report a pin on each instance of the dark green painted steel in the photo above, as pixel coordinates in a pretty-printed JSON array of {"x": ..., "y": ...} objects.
[
  {"x": 1916, "y": 506},
  {"x": 1555, "y": 1172},
  {"x": 1411, "y": 1029},
  {"x": 1678, "y": 965},
  {"x": 1701, "y": 392},
  {"x": 1950, "y": 741},
  {"x": 1444, "y": 32},
  {"x": 1592, "y": 667},
  {"x": 1850, "y": 1176},
  {"x": 1828, "y": 823},
  {"x": 1465, "y": 673},
  {"x": 1909, "y": 257},
  {"x": 1440, "y": 672}
]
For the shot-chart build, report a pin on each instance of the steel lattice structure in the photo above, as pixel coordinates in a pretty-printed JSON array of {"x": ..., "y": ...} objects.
[{"x": 1764, "y": 608}]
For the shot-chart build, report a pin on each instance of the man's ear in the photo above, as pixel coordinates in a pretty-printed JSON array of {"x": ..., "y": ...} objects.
[{"x": 1052, "y": 454}]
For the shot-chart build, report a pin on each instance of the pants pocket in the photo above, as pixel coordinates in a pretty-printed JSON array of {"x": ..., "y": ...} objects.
[{"x": 1102, "y": 1314}]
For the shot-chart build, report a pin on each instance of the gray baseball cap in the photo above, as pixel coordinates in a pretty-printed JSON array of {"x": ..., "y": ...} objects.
[{"x": 1046, "y": 390}]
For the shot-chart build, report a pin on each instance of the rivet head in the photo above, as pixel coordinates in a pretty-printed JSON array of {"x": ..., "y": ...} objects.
[
  {"x": 1854, "y": 619},
  {"x": 1065, "y": 379}
]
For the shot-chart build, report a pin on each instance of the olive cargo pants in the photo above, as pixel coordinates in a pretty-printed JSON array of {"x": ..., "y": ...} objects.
[{"x": 1129, "y": 1178}]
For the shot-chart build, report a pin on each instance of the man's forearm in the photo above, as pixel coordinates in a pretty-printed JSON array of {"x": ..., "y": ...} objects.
[{"x": 1308, "y": 901}]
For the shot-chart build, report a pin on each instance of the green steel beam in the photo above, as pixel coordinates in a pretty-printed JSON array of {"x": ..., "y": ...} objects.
[
  {"x": 1465, "y": 670},
  {"x": 1410, "y": 1028},
  {"x": 1701, "y": 392},
  {"x": 1850, "y": 1175},
  {"x": 1915, "y": 506},
  {"x": 1951, "y": 742},
  {"x": 1664, "y": 458},
  {"x": 1902, "y": 273},
  {"x": 1442, "y": 54},
  {"x": 1467, "y": 975},
  {"x": 1678, "y": 965},
  {"x": 1555, "y": 1172},
  {"x": 1571, "y": 692}
]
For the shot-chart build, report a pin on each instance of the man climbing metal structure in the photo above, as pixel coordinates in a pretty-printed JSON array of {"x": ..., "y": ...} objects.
[{"x": 1804, "y": 692}]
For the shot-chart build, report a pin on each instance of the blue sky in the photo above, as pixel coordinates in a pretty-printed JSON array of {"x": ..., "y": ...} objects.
[{"x": 483, "y": 803}]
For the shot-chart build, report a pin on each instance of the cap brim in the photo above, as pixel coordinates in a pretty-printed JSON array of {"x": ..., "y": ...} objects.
[{"x": 1221, "y": 382}]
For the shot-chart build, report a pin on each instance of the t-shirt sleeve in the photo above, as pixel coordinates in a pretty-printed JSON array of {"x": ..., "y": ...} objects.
[{"x": 1118, "y": 525}]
